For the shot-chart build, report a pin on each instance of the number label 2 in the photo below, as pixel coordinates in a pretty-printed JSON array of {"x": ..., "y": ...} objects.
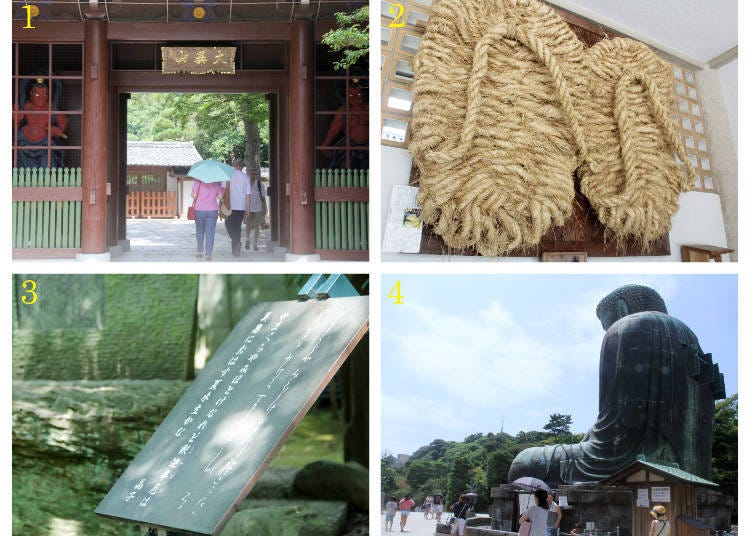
[
  {"x": 398, "y": 11},
  {"x": 395, "y": 294}
]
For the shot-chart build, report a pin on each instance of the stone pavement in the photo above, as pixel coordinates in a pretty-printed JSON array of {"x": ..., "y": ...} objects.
[
  {"x": 416, "y": 525},
  {"x": 167, "y": 240}
]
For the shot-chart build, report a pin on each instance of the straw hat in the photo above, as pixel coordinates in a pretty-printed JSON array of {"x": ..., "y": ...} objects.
[{"x": 659, "y": 512}]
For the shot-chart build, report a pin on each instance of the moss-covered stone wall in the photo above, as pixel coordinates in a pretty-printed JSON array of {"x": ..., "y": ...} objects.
[{"x": 103, "y": 327}]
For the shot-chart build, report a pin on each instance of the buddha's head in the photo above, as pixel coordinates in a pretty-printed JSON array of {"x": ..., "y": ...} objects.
[{"x": 627, "y": 300}]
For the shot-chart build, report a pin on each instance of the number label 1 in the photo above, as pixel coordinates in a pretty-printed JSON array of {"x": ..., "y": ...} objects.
[
  {"x": 395, "y": 294},
  {"x": 29, "y": 286},
  {"x": 31, "y": 12},
  {"x": 398, "y": 11}
]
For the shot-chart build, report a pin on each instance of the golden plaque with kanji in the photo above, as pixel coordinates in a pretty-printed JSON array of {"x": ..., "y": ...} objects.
[{"x": 198, "y": 60}]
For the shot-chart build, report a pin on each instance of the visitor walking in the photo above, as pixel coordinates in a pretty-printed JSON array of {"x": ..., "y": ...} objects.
[
  {"x": 437, "y": 505},
  {"x": 554, "y": 516},
  {"x": 239, "y": 201},
  {"x": 537, "y": 514},
  {"x": 206, "y": 198},
  {"x": 426, "y": 505},
  {"x": 405, "y": 505},
  {"x": 660, "y": 524},
  {"x": 258, "y": 209},
  {"x": 460, "y": 509},
  {"x": 390, "y": 513}
]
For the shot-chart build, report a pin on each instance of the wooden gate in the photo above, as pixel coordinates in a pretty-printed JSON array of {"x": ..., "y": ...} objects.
[
  {"x": 46, "y": 212},
  {"x": 341, "y": 213},
  {"x": 152, "y": 205}
]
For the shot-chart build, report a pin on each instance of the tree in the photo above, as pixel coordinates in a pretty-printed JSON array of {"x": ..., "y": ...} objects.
[
  {"x": 724, "y": 457},
  {"x": 559, "y": 424},
  {"x": 352, "y": 37},
  {"x": 459, "y": 476},
  {"x": 222, "y": 126}
]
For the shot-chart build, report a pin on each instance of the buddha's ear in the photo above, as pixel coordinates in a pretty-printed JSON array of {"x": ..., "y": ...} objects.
[{"x": 622, "y": 308}]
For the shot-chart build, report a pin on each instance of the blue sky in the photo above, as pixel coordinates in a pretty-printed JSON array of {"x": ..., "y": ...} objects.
[{"x": 467, "y": 354}]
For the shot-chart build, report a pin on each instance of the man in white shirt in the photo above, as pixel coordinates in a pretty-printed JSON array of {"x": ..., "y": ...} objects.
[{"x": 239, "y": 202}]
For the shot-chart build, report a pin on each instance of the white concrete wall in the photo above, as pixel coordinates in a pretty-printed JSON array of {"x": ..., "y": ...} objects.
[
  {"x": 728, "y": 79},
  {"x": 721, "y": 144},
  {"x": 699, "y": 220}
]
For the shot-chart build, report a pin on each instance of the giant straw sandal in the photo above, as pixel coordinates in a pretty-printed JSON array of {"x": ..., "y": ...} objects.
[
  {"x": 631, "y": 178},
  {"x": 494, "y": 131}
]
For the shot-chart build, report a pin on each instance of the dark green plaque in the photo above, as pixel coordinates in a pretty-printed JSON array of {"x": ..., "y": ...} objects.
[{"x": 230, "y": 423}]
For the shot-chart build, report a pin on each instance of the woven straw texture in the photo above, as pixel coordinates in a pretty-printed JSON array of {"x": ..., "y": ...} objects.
[
  {"x": 634, "y": 183},
  {"x": 497, "y": 128}
]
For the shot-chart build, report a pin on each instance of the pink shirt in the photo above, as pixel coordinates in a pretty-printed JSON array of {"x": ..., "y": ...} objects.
[
  {"x": 207, "y": 194},
  {"x": 406, "y": 504}
]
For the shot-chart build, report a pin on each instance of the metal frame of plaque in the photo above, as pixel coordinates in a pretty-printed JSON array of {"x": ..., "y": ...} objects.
[{"x": 221, "y": 435}]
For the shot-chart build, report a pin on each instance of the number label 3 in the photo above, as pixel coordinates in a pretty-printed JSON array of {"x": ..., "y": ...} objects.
[
  {"x": 29, "y": 286},
  {"x": 398, "y": 11},
  {"x": 395, "y": 294}
]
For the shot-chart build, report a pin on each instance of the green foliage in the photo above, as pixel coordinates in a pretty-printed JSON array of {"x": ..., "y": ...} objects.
[
  {"x": 351, "y": 37},
  {"x": 725, "y": 459},
  {"x": 215, "y": 122},
  {"x": 559, "y": 424},
  {"x": 459, "y": 476}
]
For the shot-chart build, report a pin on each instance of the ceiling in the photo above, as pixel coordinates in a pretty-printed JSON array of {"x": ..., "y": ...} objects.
[{"x": 694, "y": 30}]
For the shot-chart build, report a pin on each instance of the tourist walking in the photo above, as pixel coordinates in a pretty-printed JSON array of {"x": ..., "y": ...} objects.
[
  {"x": 460, "y": 510},
  {"x": 554, "y": 516},
  {"x": 405, "y": 505},
  {"x": 239, "y": 202},
  {"x": 258, "y": 209},
  {"x": 390, "y": 513},
  {"x": 426, "y": 505},
  {"x": 437, "y": 505},
  {"x": 660, "y": 524},
  {"x": 537, "y": 514},
  {"x": 206, "y": 198}
]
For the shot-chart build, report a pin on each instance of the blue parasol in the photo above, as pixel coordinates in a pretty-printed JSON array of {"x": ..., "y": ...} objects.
[{"x": 211, "y": 171}]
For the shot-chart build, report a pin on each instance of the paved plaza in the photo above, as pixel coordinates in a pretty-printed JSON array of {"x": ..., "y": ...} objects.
[{"x": 167, "y": 240}]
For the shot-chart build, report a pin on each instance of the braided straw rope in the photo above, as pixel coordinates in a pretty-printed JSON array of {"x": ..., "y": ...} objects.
[
  {"x": 636, "y": 185},
  {"x": 508, "y": 104},
  {"x": 495, "y": 132}
]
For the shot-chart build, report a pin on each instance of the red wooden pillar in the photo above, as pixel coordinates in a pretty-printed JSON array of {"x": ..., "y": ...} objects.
[
  {"x": 94, "y": 137},
  {"x": 302, "y": 142}
]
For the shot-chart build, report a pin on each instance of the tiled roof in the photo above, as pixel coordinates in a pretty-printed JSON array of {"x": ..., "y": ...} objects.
[
  {"x": 671, "y": 471},
  {"x": 162, "y": 153}
]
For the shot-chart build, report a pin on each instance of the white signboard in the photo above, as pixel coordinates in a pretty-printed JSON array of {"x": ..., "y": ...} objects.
[
  {"x": 563, "y": 501},
  {"x": 642, "y": 499},
  {"x": 660, "y": 494}
]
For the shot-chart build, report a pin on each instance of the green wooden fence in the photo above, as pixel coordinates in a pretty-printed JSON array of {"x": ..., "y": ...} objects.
[
  {"x": 43, "y": 217},
  {"x": 341, "y": 209}
]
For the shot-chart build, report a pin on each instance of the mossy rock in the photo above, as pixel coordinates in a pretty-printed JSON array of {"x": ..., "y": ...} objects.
[
  {"x": 288, "y": 518},
  {"x": 274, "y": 483},
  {"x": 333, "y": 481}
]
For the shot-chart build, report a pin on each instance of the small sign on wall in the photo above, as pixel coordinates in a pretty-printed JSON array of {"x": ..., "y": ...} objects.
[
  {"x": 642, "y": 498},
  {"x": 660, "y": 494}
]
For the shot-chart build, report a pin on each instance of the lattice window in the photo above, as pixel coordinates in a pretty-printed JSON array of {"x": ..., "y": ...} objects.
[
  {"x": 692, "y": 129},
  {"x": 341, "y": 113},
  {"x": 47, "y": 98},
  {"x": 398, "y": 46}
]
